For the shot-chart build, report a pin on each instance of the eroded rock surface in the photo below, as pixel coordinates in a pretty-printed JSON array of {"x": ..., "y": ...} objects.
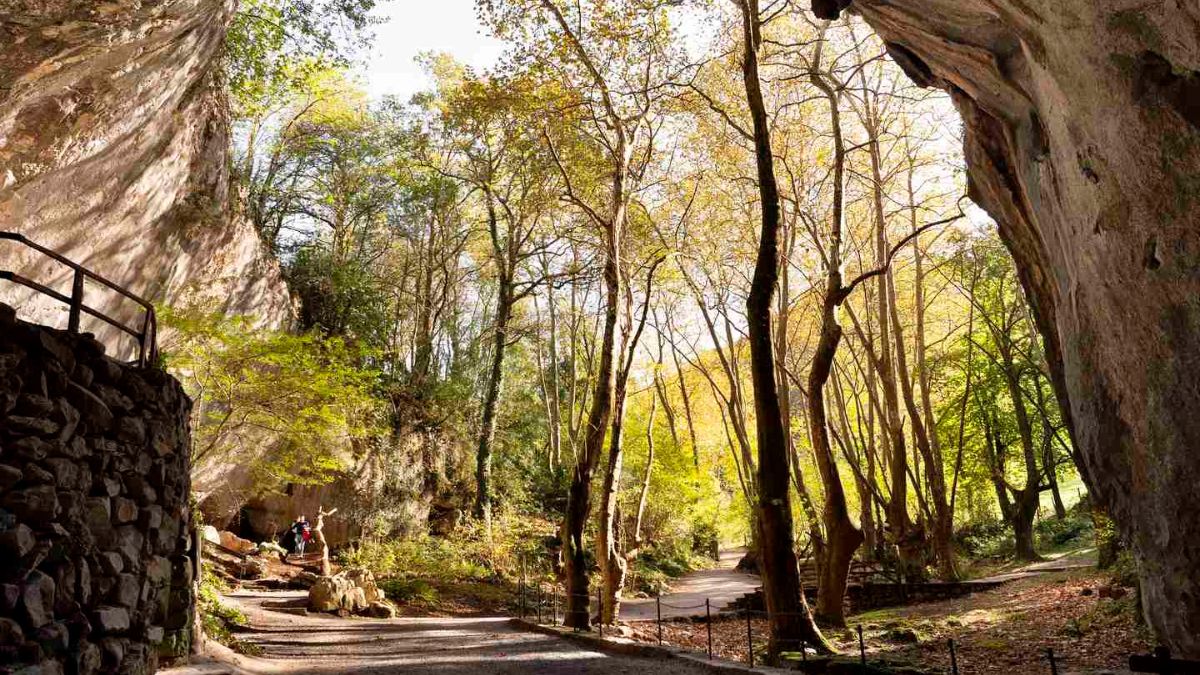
[
  {"x": 1082, "y": 126},
  {"x": 113, "y": 151}
]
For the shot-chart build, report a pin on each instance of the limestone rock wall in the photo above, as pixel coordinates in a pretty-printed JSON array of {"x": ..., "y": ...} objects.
[
  {"x": 114, "y": 142},
  {"x": 95, "y": 536},
  {"x": 1082, "y": 122}
]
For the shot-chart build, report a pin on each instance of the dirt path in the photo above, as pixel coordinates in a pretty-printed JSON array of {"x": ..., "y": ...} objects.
[
  {"x": 295, "y": 643},
  {"x": 1078, "y": 559},
  {"x": 720, "y": 585}
]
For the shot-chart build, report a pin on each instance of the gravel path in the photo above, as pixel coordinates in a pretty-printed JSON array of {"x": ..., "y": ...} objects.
[
  {"x": 294, "y": 643},
  {"x": 721, "y": 585}
]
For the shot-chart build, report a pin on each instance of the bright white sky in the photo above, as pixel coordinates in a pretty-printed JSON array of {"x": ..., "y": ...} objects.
[{"x": 416, "y": 26}]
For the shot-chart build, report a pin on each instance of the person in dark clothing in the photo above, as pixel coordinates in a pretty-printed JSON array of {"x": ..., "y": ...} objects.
[{"x": 295, "y": 538}]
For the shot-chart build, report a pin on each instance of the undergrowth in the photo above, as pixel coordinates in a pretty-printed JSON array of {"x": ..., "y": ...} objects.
[{"x": 218, "y": 620}]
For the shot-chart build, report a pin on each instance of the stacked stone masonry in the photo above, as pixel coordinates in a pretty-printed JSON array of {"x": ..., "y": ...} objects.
[{"x": 96, "y": 555}]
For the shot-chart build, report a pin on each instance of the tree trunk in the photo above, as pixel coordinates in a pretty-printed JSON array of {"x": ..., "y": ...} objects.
[
  {"x": 935, "y": 470},
  {"x": 842, "y": 538},
  {"x": 608, "y": 556},
  {"x": 579, "y": 492},
  {"x": 491, "y": 400},
  {"x": 792, "y": 626},
  {"x": 899, "y": 525},
  {"x": 1024, "y": 512}
]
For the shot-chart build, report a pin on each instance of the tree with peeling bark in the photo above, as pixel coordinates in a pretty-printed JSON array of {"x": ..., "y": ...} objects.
[
  {"x": 616, "y": 59},
  {"x": 792, "y": 625},
  {"x": 486, "y": 124}
]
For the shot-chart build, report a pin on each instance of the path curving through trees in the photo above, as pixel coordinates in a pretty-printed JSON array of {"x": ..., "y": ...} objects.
[
  {"x": 297, "y": 643},
  {"x": 720, "y": 585}
]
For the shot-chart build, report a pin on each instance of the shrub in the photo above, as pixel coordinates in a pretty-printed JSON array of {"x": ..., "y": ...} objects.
[
  {"x": 218, "y": 620},
  {"x": 988, "y": 539},
  {"x": 468, "y": 555},
  {"x": 1124, "y": 570},
  {"x": 1052, "y": 532},
  {"x": 409, "y": 591}
]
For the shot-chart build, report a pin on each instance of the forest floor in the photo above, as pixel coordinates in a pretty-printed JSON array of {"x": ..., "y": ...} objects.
[{"x": 1088, "y": 623}]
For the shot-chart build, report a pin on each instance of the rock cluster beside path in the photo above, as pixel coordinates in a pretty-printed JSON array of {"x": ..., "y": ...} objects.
[{"x": 351, "y": 591}]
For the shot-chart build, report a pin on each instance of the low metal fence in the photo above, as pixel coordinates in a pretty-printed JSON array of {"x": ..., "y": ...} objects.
[{"x": 546, "y": 604}]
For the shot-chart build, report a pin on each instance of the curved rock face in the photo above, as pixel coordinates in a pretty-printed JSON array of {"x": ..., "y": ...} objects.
[
  {"x": 113, "y": 150},
  {"x": 1082, "y": 122}
]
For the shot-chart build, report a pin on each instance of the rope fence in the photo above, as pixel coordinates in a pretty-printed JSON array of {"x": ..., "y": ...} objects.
[{"x": 548, "y": 601}]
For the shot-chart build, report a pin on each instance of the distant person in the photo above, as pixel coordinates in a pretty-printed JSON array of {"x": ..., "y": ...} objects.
[{"x": 295, "y": 538}]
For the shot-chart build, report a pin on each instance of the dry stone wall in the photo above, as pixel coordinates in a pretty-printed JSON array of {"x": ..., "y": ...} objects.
[{"x": 95, "y": 536}]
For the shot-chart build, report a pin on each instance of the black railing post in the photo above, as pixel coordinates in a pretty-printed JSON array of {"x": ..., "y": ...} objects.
[
  {"x": 600, "y": 609},
  {"x": 144, "y": 354},
  {"x": 708, "y": 622},
  {"x": 862, "y": 648},
  {"x": 77, "y": 304},
  {"x": 953, "y": 658},
  {"x": 539, "y": 602},
  {"x": 749, "y": 640},
  {"x": 554, "y": 609},
  {"x": 1053, "y": 665},
  {"x": 658, "y": 615}
]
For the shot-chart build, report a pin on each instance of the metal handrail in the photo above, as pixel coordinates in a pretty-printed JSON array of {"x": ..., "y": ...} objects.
[{"x": 147, "y": 337}]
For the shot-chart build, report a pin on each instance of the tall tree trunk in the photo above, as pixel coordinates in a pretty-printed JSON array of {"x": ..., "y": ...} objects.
[
  {"x": 579, "y": 492},
  {"x": 608, "y": 556},
  {"x": 1026, "y": 499},
  {"x": 555, "y": 403},
  {"x": 842, "y": 537},
  {"x": 613, "y": 562},
  {"x": 791, "y": 622},
  {"x": 491, "y": 401},
  {"x": 935, "y": 467},
  {"x": 899, "y": 525}
]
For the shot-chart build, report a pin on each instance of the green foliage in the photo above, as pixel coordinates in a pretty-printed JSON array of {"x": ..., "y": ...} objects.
[
  {"x": 409, "y": 591},
  {"x": 1075, "y": 528},
  {"x": 654, "y": 569},
  {"x": 273, "y": 44},
  {"x": 218, "y": 620},
  {"x": 338, "y": 297},
  {"x": 285, "y": 406},
  {"x": 986, "y": 539},
  {"x": 467, "y": 555}
]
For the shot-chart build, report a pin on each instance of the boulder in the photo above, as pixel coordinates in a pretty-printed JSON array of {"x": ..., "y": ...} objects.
[
  {"x": 380, "y": 610},
  {"x": 37, "y": 599},
  {"x": 10, "y": 633},
  {"x": 34, "y": 505},
  {"x": 17, "y": 542},
  {"x": 352, "y": 591},
  {"x": 235, "y": 543},
  {"x": 210, "y": 534},
  {"x": 9, "y": 476},
  {"x": 363, "y": 579},
  {"x": 252, "y": 568}
]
